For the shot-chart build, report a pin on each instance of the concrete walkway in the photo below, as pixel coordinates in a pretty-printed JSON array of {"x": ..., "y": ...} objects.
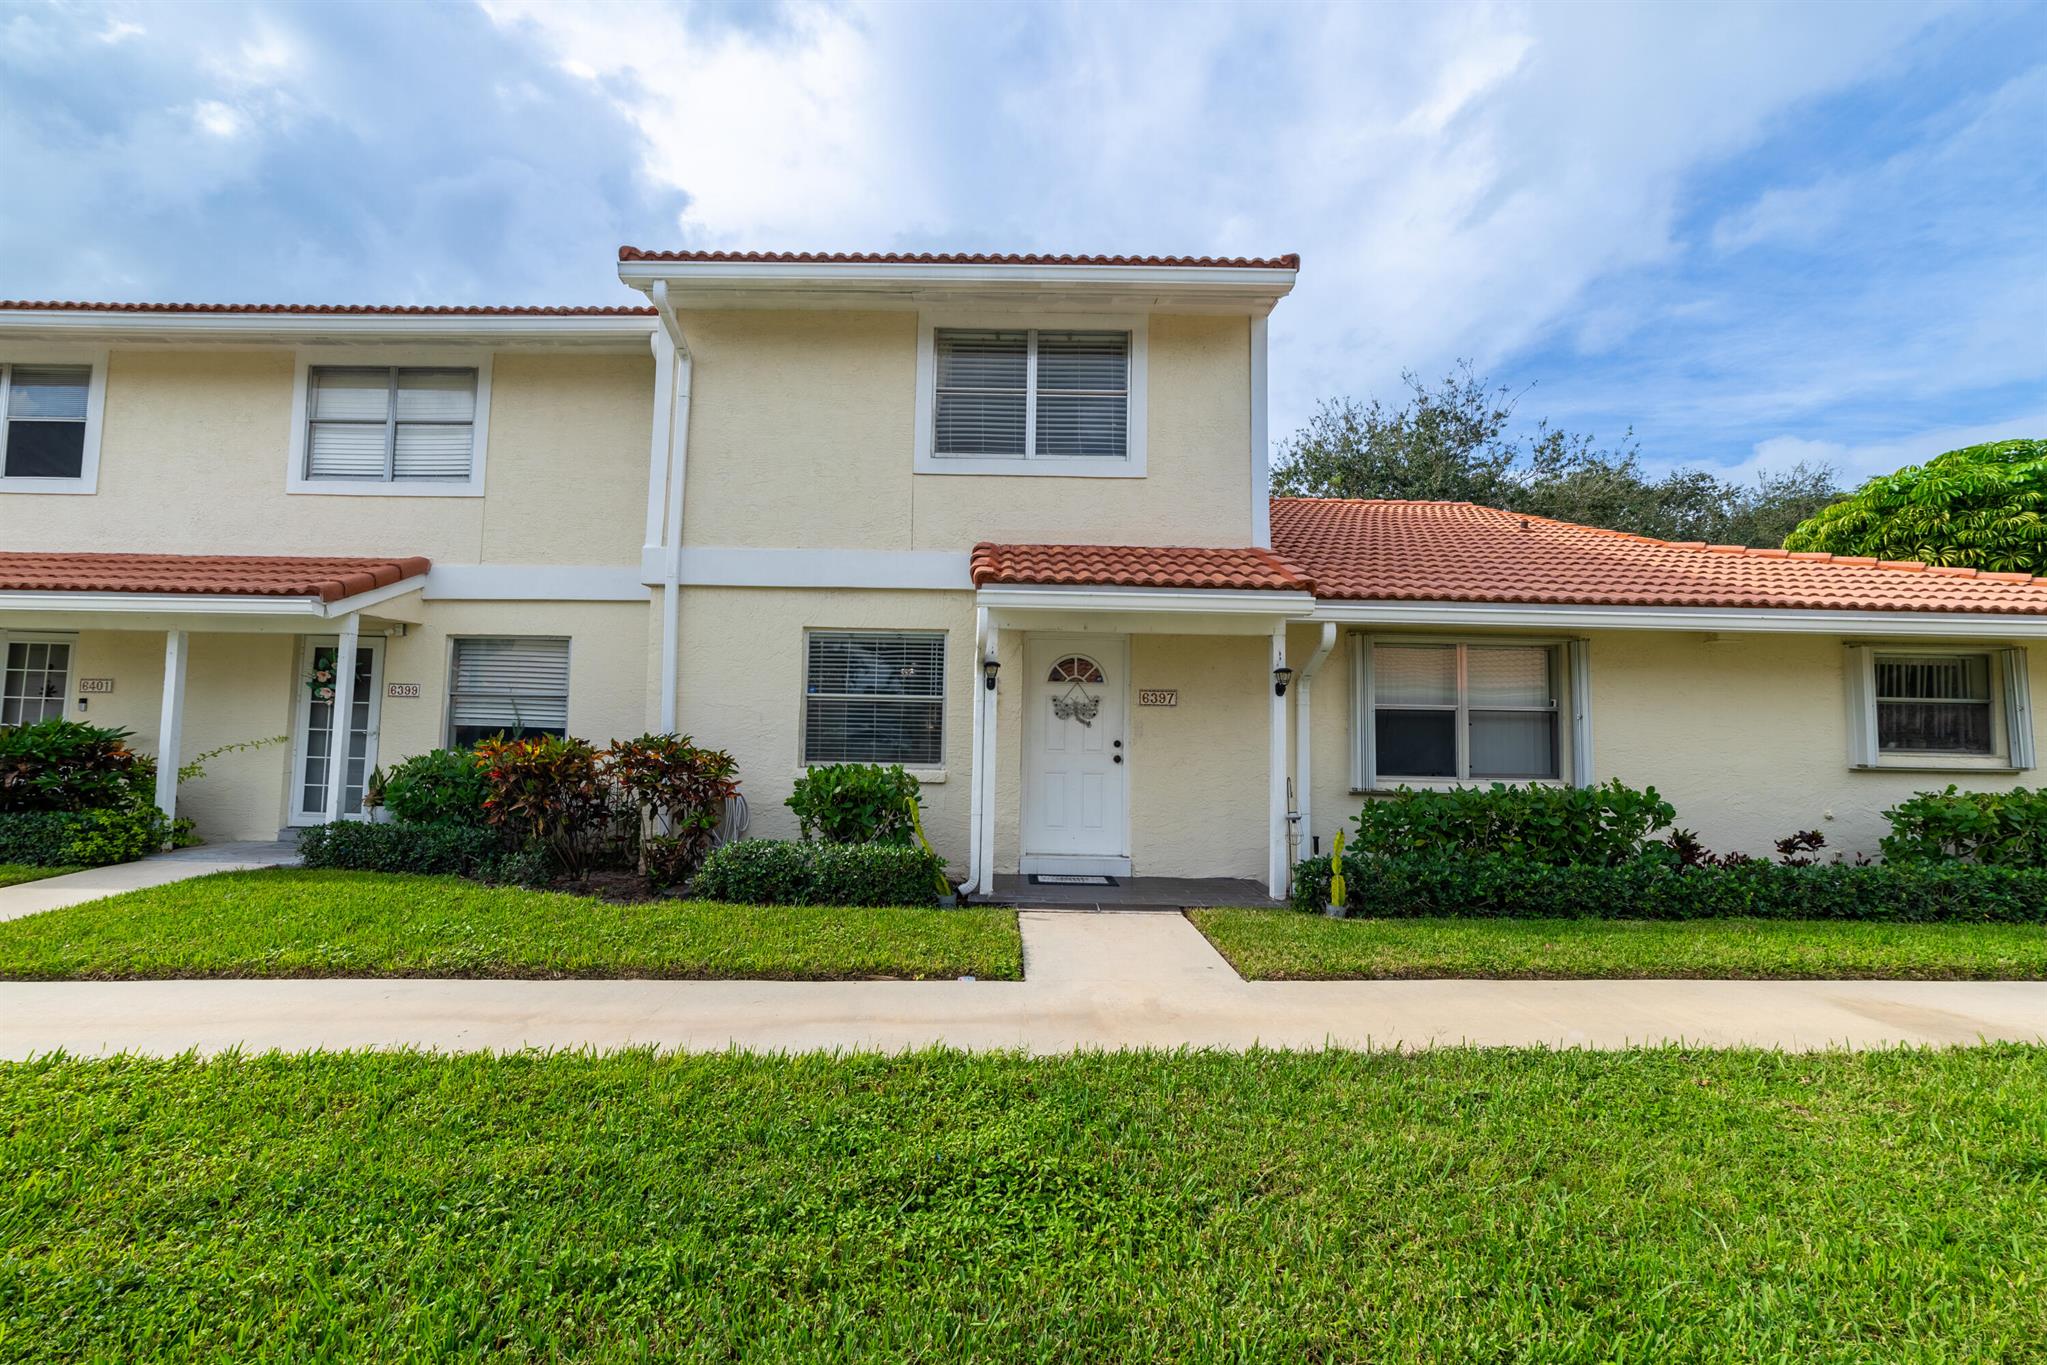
[
  {"x": 1094, "y": 980},
  {"x": 73, "y": 888}
]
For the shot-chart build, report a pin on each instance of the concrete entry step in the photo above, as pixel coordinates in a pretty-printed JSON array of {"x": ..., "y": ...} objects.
[{"x": 1130, "y": 893}]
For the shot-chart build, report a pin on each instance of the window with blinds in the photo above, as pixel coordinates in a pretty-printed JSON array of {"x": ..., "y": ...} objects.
[
  {"x": 1029, "y": 394},
  {"x": 1455, "y": 712},
  {"x": 507, "y": 687},
  {"x": 874, "y": 697},
  {"x": 1934, "y": 703},
  {"x": 390, "y": 423},
  {"x": 42, "y": 420}
]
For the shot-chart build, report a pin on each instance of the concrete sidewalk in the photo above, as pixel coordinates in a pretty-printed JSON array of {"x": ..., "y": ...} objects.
[
  {"x": 1094, "y": 981},
  {"x": 74, "y": 888}
]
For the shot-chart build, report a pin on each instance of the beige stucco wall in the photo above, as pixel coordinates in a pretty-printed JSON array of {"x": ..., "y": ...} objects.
[
  {"x": 1746, "y": 736},
  {"x": 195, "y": 444},
  {"x": 802, "y": 432}
]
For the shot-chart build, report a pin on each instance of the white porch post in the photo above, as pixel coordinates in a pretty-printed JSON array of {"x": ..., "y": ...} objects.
[
  {"x": 170, "y": 730},
  {"x": 1276, "y": 865},
  {"x": 344, "y": 710},
  {"x": 984, "y": 772}
]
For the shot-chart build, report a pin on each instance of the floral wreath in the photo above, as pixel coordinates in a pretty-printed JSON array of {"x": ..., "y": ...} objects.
[{"x": 320, "y": 682}]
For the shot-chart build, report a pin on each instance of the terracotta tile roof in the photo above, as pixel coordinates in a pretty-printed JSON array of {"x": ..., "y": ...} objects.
[
  {"x": 328, "y": 579},
  {"x": 1290, "y": 261},
  {"x": 336, "y": 309},
  {"x": 1381, "y": 550},
  {"x": 1136, "y": 566}
]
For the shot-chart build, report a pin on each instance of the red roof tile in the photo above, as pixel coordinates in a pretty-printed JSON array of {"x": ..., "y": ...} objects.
[
  {"x": 1290, "y": 261},
  {"x": 328, "y": 579},
  {"x": 1136, "y": 566},
  {"x": 1383, "y": 550},
  {"x": 338, "y": 309}
]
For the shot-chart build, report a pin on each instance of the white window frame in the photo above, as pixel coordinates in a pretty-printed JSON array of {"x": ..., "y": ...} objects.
[
  {"x": 1574, "y": 713},
  {"x": 1132, "y": 466},
  {"x": 13, "y": 353},
  {"x": 2011, "y": 718},
  {"x": 923, "y": 772},
  {"x": 374, "y": 357},
  {"x": 9, "y": 638},
  {"x": 448, "y": 675}
]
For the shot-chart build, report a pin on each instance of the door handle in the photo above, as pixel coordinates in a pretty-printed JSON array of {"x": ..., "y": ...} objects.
[{"x": 1116, "y": 757}]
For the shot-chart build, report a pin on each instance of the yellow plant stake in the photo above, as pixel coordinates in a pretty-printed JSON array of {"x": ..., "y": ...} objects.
[
  {"x": 1336, "y": 887},
  {"x": 917, "y": 824}
]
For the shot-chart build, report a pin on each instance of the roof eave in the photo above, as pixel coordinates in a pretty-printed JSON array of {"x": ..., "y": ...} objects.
[
  {"x": 97, "y": 324},
  {"x": 1712, "y": 620},
  {"x": 784, "y": 283}
]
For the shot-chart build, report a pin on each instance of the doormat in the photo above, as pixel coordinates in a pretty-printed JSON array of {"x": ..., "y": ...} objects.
[{"x": 1070, "y": 879}]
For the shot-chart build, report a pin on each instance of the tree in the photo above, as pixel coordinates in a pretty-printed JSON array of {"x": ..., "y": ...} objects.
[
  {"x": 1452, "y": 442},
  {"x": 1980, "y": 507}
]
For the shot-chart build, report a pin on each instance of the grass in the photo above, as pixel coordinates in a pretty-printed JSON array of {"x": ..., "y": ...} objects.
[
  {"x": 1287, "y": 945},
  {"x": 13, "y": 874},
  {"x": 288, "y": 922},
  {"x": 1459, "y": 1204}
]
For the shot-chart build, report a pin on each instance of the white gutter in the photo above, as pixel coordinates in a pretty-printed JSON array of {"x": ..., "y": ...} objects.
[
  {"x": 1270, "y": 281},
  {"x": 677, "y": 428},
  {"x": 599, "y": 327},
  {"x": 1304, "y": 747},
  {"x": 207, "y": 604},
  {"x": 1546, "y": 616}
]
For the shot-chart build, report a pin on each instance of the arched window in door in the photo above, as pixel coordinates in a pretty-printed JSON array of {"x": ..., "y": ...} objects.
[{"x": 1076, "y": 668}]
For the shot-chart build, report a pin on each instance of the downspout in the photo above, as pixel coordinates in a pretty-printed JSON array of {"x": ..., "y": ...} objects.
[
  {"x": 671, "y": 531},
  {"x": 979, "y": 737},
  {"x": 1304, "y": 747}
]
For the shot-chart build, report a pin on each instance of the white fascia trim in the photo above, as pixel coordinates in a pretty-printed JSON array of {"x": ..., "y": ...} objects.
[
  {"x": 534, "y": 583},
  {"x": 909, "y": 274},
  {"x": 303, "y": 363},
  {"x": 205, "y": 604},
  {"x": 1544, "y": 616},
  {"x": 1072, "y": 597},
  {"x": 21, "y": 352},
  {"x": 255, "y": 326},
  {"x": 733, "y": 566}
]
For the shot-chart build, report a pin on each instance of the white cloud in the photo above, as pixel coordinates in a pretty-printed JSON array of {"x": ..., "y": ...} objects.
[
  {"x": 216, "y": 118},
  {"x": 1859, "y": 460}
]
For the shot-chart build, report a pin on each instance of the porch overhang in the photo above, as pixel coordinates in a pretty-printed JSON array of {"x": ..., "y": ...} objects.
[
  {"x": 287, "y": 594},
  {"x": 1962, "y": 625},
  {"x": 1135, "y": 610}
]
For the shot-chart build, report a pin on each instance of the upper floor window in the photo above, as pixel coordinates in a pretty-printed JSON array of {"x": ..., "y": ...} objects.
[
  {"x": 1031, "y": 400},
  {"x": 406, "y": 429},
  {"x": 49, "y": 427}
]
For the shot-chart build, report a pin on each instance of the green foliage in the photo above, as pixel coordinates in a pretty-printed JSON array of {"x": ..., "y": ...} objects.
[
  {"x": 681, "y": 787},
  {"x": 441, "y": 849},
  {"x": 1980, "y": 507},
  {"x": 552, "y": 793},
  {"x": 1559, "y": 825},
  {"x": 1453, "y": 442},
  {"x": 88, "y": 838},
  {"x": 438, "y": 787},
  {"x": 1490, "y": 886},
  {"x": 195, "y": 768},
  {"x": 65, "y": 765},
  {"x": 2003, "y": 829},
  {"x": 773, "y": 872},
  {"x": 856, "y": 803}
]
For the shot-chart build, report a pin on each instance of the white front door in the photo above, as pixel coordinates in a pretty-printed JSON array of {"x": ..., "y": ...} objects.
[
  {"x": 1075, "y": 773},
  {"x": 313, "y": 737}
]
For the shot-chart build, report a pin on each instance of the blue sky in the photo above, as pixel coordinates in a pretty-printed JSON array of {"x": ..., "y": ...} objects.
[{"x": 1754, "y": 234}]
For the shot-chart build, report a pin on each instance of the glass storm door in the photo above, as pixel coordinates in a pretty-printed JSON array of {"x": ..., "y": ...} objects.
[{"x": 314, "y": 750}]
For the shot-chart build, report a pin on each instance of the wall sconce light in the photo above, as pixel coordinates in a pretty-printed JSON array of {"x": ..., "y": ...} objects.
[
  {"x": 1281, "y": 676},
  {"x": 989, "y": 668}
]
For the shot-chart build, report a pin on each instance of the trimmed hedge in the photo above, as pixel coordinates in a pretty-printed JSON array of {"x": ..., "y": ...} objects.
[
  {"x": 2008, "y": 828},
  {"x": 438, "y": 787},
  {"x": 1483, "y": 887},
  {"x": 83, "y": 838},
  {"x": 435, "y": 850},
  {"x": 772, "y": 872},
  {"x": 1561, "y": 826}
]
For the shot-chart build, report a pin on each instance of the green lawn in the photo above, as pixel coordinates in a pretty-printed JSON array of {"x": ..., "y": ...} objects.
[
  {"x": 286, "y": 922},
  {"x": 13, "y": 874},
  {"x": 1282, "y": 945},
  {"x": 1453, "y": 1205}
]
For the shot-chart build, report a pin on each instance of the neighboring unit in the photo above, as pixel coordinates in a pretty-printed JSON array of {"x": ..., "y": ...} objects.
[{"x": 1002, "y": 520}]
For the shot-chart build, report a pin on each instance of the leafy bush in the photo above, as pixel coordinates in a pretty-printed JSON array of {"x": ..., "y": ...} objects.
[
  {"x": 64, "y": 765},
  {"x": 774, "y": 872},
  {"x": 437, "y": 850},
  {"x": 1981, "y": 507},
  {"x": 684, "y": 789},
  {"x": 88, "y": 838},
  {"x": 439, "y": 787},
  {"x": 551, "y": 793},
  {"x": 856, "y": 803},
  {"x": 2002, "y": 829},
  {"x": 1651, "y": 887},
  {"x": 1561, "y": 826}
]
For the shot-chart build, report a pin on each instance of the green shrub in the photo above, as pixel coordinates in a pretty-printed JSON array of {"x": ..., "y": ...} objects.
[
  {"x": 856, "y": 803},
  {"x": 438, "y": 850},
  {"x": 683, "y": 791},
  {"x": 1490, "y": 886},
  {"x": 439, "y": 787},
  {"x": 65, "y": 765},
  {"x": 551, "y": 793},
  {"x": 774, "y": 872},
  {"x": 1557, "y": 825},
  {"x": 90, "y": 838},
  {"x": 2001, "y": 829}
]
